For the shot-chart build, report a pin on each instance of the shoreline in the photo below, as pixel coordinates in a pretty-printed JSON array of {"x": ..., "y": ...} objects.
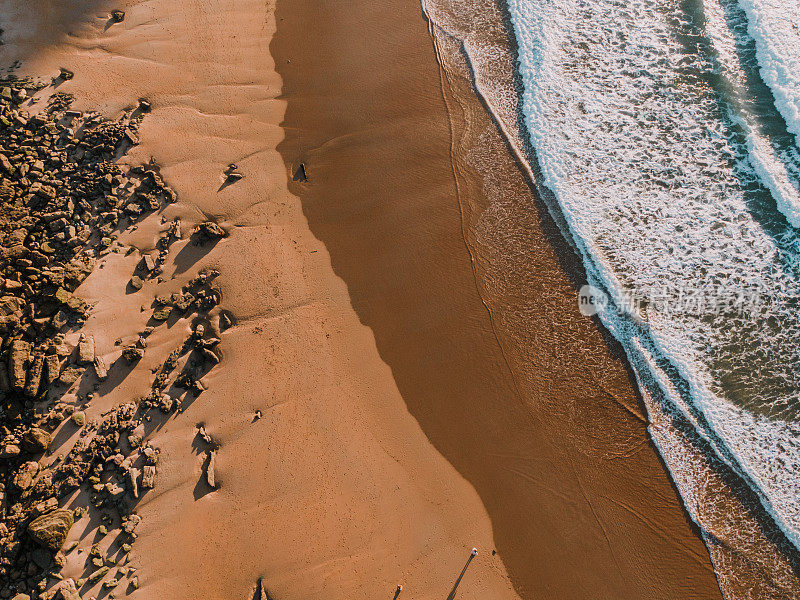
[
  {"x": 720, "y": 501},
  {"x": 560, "y": 567}
]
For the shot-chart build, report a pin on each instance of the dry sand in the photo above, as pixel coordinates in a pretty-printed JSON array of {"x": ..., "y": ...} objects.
[{"x": 362, "y": 324}]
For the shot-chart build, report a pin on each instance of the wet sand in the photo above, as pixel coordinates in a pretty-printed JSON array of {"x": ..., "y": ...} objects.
[
  {"x": 526, "y": 399},
  {"x": 412, "y": 409}
]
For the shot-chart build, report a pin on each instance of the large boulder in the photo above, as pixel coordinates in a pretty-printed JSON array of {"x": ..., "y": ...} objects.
[
  {"x": 51, "y": 530},
  {"x": 18, "y": 365},
  {"x": 209, "y": 230},
  {"x": 26, "y": 474},
  {"x": 36, "y": 440},
  {"x": 52, "y": 368},
  {"x": 34, "y": 376},
  {"x": 86, "y": 349}
]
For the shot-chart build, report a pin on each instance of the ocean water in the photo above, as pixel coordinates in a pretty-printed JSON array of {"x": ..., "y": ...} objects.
[{"x": 667, "y": 133}]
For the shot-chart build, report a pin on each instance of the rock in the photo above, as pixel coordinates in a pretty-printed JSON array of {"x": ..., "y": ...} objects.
[
  {"x": 211, "y": 468},
  {"x": 66, "y": 74},
  {"x": 45, "y": 507},
  {"x": 66, "y": 203},
  {"x": 210, "y": 230},
  {"x": 204, "y": 435},
  {"x": 225, "y": 321},
  {"x": 149, "y": 262},
  {"x": 300, "y": 174},
  {"x": 25, "y": 475},
  {"x": 209, "y": 356},
  {"x": 133, "y": 480},
  {"x": 131, "y": 136},
  {"x": 148, "y": 477},
  {"x": 97, "y": 575},
  {"x": 86, "y": 349},
  {"x": 34, "y": 376},
  {"x": 60, "y": 319},
  {"x": 114, "y": 490},
  {"x": 36, "y": 440},
  {"x": 10, "y": 451},
  {"x": 175, "y": 229},
  {"x": 62, "y": 349},
  {"x": 165, "y": 403},
  {"x": 69, "y": 299},
  {"x": 52, "y": 368},
  {"x": 100, "y": 368},
  {"x": 150, "y": 455},
  {"x": 18, "y": 364},
  {"x": 131, "y": 523},
  {"x": 261, "y": 591},
  {"x": 211, "y": 342},
  {"x": 118, "y": 16},
  {"x": 78, "y": 418},
  {"x": 67, "y": 590},
  {"x": 10, "y": 305},
  {"x": 163, "y": 313},
  {"x": 136, "y": 282},
  {"x": 132, "y": 353},
  {"x": 51, "y": 530},
  {"x": 21, "y": 597},
  {"x": 13, "y": 285},
  {"x": 70, "y": 375}
]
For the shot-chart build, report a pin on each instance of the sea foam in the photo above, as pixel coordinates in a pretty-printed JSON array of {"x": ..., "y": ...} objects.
[
  {"x": 668, "y": 161},
  {"x": 775, "y": 27}
]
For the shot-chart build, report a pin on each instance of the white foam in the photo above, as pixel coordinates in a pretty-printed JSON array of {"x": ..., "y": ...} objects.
[
  {"x": 625, "y": 110},
  {"x": 772, "y": 154},
  {"x": 775, "y": 27}
]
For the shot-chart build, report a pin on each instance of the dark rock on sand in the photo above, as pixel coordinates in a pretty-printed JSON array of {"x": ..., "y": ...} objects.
[
  {"x": 136, "y": 282},
  {"x": 148, "y": 477},
  {"x": 18, "y": 364},
  {"x": 36, "y": 440},
  {"x": 52, "y": 368},
  {"x": 209, "y": 231},
  {"x": 34, "y": 375},
  {"x": 132, "y": 354},
  {"x": 211, "y": 477},
  {"x": 300, "y": 174},
  {"x": 51, "y": 530}
]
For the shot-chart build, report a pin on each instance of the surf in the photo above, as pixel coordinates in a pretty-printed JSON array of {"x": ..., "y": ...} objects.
[{"x": 676, "y": 174}]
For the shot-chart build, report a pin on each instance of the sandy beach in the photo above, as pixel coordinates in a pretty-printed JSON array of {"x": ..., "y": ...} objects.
[{"x": 409, "y": 336}]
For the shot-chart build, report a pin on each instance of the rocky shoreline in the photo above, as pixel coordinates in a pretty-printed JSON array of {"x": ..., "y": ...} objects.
[{"x": 64, "y": 201}]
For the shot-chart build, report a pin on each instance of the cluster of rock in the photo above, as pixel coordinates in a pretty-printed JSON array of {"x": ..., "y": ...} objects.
[
  {"x": 63, "y": 202},
  {"x": 260, "y": 592}
]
